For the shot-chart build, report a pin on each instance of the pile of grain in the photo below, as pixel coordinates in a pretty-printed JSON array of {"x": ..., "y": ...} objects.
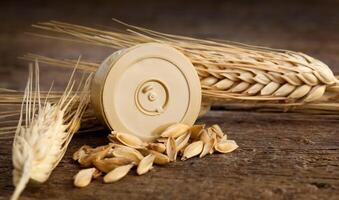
[{"x": 126, "y": 151}]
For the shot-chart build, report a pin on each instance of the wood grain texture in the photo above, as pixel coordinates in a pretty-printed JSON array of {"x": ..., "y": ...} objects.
[{"x": 281, "y": 156}]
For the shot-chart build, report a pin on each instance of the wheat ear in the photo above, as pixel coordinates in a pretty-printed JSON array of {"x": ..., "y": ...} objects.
[
  {"x": 44, "y": 131},
  {"x": 227, "y": 70},
  {"x": 327, "y": 104}
]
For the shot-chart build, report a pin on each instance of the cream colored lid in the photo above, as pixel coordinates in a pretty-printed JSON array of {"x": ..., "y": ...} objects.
[{"x": 143, "y": 89}]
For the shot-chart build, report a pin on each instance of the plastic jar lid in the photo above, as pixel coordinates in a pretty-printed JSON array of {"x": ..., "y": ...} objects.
[{"x": 143, "y": 89}]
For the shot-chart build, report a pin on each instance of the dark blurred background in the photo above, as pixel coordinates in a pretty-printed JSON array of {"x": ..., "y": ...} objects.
[{"x": 310, "y": 26}]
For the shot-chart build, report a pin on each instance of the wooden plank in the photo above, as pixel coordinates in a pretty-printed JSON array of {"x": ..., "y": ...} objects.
[{"x": 280, "y": 157}]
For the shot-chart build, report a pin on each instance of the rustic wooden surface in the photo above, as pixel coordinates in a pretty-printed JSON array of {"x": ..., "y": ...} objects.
[{"x": 281, "y": 156}]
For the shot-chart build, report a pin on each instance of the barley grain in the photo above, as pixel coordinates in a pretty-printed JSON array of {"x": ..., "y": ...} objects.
[
  {"x": 84, "y": 177},
  {"x": 171, "y": 149},
  {"x": 108, "y": 164},
  {"x": 175, "y": 130},
  {"x": 159, "y": 147},
  {"x": 145, "y": 164},
  {"x": 80, "y": 153},
  {"x": 117, "y": 173},
  {"x": 195, "y": 131},
  {"x": 160, "y": 159},
  {"x": 192, "y": 150},
  {"x": 181, "y": 141},
  {"x": 208, "y": 147},
  {"x": 128, "y": 152},
  {"x": 204, "y": 136},
  {"x": 226, "y": 146},
  {"x": 216, "y": 129},
  {"x": 129, "y": 140},
  {"x": 96, "y": 154}
]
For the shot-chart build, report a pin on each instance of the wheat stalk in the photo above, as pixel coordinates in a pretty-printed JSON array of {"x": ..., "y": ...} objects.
[
  {"x": 227, "y": 70},
  {"x": 44, "y": 131},
  {"x": 66, "y": 63}
]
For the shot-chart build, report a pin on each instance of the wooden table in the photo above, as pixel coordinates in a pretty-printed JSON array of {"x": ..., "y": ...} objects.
[{"x": 281, "y": 155}]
